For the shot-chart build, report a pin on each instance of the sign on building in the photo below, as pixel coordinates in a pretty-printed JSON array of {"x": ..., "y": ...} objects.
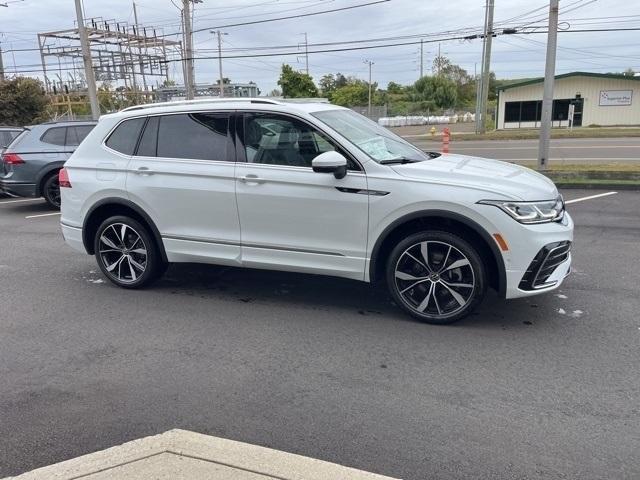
[{"x": 610, "y": 98}]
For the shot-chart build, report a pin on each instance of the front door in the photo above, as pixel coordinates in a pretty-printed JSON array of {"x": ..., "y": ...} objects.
[
  {"x": 291, "y": 217},
  {"x": 182, "y": 175}
]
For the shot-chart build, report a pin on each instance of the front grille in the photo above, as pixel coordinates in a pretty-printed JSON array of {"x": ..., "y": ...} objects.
[{"x": 544, "y": 264}]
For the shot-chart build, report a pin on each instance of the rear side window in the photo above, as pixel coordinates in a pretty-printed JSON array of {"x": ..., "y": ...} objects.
[
  {"x": 125, "y": 137},
  {"x": 54, "y": 136},
  {"x": 76, "y": 134},
  {"x": 202, "y": 136},
  {"x": 149, "y": 142}
]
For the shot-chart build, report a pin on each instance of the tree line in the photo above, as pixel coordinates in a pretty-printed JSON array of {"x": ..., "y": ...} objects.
[{"x": 450, "y": 87}]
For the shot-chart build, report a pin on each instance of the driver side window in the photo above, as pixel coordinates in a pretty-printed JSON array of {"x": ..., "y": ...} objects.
[{"x": 280, "y": 140}]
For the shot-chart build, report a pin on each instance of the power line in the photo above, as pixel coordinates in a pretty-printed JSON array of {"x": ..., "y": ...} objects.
[{"x": 341, "y": 9}]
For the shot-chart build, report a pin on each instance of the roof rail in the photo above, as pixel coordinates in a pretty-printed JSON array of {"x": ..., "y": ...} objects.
[{"x": 202, "y": 100}]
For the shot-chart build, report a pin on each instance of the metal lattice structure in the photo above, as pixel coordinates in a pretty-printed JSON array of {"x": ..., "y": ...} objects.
[{"x": 120, "y": 52}]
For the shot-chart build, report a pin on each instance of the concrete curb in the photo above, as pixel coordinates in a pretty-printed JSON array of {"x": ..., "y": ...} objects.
[
  {"x": 596, "y": 186},
  {"x": 184, "y": 455}
]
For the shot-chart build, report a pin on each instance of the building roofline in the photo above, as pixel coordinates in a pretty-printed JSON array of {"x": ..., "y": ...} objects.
[{"x": 570, "y": 74}]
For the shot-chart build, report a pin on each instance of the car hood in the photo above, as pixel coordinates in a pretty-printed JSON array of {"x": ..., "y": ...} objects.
[{"x": 508, "y": 179}]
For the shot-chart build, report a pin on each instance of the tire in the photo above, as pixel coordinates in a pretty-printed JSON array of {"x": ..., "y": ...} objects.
[
  {"x": 433, "y": 291},
  {"x": 51, "y": 191},
  {"x": 127, "y": 253}
]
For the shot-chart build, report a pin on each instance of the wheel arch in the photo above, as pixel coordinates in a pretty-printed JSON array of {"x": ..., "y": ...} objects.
[
  {"x": 109, "y": 207},
  {"x": 45, "y": 173},
  {"x": 440, "y": 220}
]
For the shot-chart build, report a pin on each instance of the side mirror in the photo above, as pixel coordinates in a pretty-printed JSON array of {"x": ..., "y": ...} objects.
[{"x": 330, "y": 162}]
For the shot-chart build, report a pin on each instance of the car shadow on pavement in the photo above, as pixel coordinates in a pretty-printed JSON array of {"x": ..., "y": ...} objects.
[{"x": 317, "y": 292}]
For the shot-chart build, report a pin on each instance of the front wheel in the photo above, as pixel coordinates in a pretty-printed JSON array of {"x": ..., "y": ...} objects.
[
  {"x": 437, "y": 277},
  {"x": 126, "y": 253}
]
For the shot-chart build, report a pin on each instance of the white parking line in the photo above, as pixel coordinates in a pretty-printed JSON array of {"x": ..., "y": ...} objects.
[
  {"x": 590, "y": 197},
  {"x": 43, "y": 215},
  {"x": 23, "y": 200}
]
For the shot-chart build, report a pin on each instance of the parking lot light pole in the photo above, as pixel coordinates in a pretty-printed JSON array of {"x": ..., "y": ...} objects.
[
  {"x": 549, "y": 77},
  {"x": 88, "y": 67}
]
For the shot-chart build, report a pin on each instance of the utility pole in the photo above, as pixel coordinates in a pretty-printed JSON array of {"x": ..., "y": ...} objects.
[
  {"x": 370, "y": 63},
  {"x": 549, "y": 77},
  {"x": 479, "y": 79},
  {"x": 421, "y": 58},
  {"x": 306, "y": 52},
  {"x": 219, "y": 34},
  {"x": 1, "y": 66},
  {"x": 188, "y": 49},
  {"x": 486, "y": 66},
  {"x": 88, "y": 67},
  {"x": 144, "y": 78}
]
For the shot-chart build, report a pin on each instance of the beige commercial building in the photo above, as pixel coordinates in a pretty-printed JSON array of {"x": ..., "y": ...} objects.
[{"x": 597, "y": 99}]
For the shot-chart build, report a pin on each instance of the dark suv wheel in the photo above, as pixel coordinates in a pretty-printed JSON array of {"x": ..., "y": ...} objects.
[
  {"x": 127, "y": 253},
  {"x": 51, "y": 190},
  {"x": 437, "y": 277}
]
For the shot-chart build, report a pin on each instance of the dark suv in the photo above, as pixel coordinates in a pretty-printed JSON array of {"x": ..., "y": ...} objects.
[{"x": 30, "y": 164}]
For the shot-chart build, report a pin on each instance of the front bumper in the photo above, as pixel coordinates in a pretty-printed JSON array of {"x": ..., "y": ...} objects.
[
  {"x": 529, "y": 253},
  {"x": 18, "y": 189}
]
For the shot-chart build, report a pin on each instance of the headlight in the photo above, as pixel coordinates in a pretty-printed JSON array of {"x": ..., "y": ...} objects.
[{"x": 531, "y": 212}]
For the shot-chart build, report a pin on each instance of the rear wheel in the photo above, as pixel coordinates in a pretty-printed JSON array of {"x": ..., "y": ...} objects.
[
  {"x": 437, "y": 277},
  {"x": 51, "y": 190},
  {"x": 126, "y": 253}
]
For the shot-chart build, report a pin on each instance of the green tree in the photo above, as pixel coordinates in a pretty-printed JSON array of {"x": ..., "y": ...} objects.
[
  {"x": 295, "y": 84},
  {"x": 440, "y": 64},
  {"x": 465, "y": 83},
  {"x": 440, "y": 90},
  {"x": 629, "y": 72},
  {"x": 22, "y": 101},
  {"x": 330, "y": 83},
  {"x": 355, "y": 93},
  {"x": 395, "y": 88}
]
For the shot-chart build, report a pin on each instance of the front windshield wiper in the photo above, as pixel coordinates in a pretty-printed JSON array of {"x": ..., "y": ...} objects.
[{"x": 398, "y": 160}]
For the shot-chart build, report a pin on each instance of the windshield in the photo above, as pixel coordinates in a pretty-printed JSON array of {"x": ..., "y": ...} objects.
[{"x": 379, "y": 143}]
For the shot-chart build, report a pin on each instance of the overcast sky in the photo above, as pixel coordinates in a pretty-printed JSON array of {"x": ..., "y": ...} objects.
[{"x": 513, "y": 56}]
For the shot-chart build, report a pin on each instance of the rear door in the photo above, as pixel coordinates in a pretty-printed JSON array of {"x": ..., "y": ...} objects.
[{"x": 182, "y": 175}]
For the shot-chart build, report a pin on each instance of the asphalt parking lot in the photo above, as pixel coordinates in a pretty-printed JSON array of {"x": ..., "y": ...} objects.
[{"x": 544, "y": 388}]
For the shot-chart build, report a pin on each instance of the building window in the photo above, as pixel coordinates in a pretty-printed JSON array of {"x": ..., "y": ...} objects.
[
  {"x": 512, "y": 112},
  {"x": 531, "y": 111}
]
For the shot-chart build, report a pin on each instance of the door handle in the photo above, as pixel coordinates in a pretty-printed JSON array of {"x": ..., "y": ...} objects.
[
  {"x": 143, "y": 171},
  {"x": 251, "y": 179}
]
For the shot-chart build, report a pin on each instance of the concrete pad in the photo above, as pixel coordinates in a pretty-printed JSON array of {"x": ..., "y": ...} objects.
[{"x": 184, "y": 455}]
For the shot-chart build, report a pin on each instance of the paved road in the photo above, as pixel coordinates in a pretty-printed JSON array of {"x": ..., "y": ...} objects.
[
  {"x": 324, "y": 367},
  {"x": 570, "y": 150}
]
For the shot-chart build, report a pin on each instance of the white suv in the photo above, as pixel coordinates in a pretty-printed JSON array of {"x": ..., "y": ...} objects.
[{"x": 313, "y": 188}]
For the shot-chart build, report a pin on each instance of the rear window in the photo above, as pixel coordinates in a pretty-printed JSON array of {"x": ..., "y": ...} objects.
[
  {"x": 7, "y": 136},
  {"x": 54, "y": 136},
  {"x": 125, "y": 137}
]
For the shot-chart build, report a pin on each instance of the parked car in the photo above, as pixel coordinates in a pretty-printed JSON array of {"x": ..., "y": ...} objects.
[
  {"x": 310, "y": 188},
  {"x": 7, "y": 134},
  {"x": 31, "y": 162}
]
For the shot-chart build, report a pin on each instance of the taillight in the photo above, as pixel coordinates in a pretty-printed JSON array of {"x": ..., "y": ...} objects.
[
  {"x": 63, "y": 178},
  {"x": 11, "y": 158}
]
